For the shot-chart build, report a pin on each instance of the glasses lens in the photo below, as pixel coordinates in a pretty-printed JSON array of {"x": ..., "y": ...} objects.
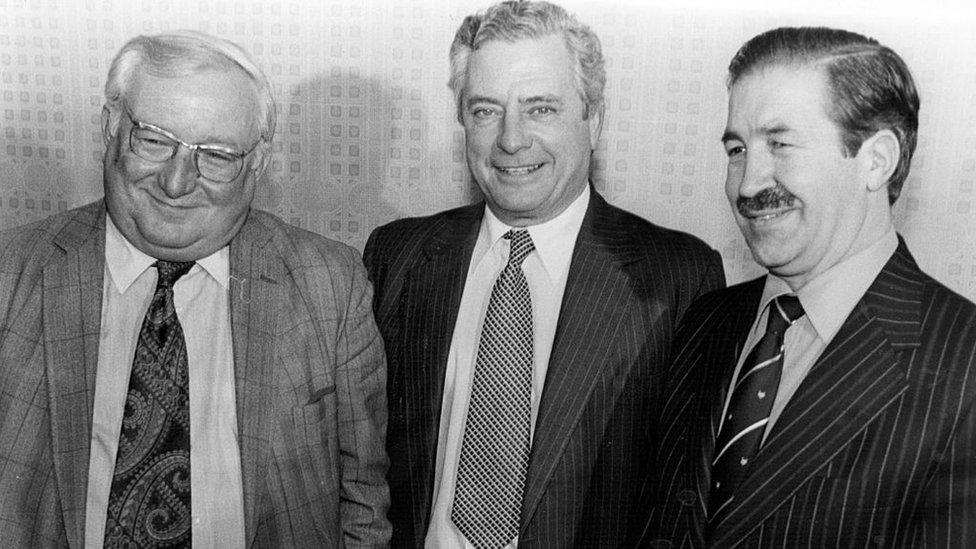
[
  {"x": 151, "y": 145},
  {"x": 217, "y": 165}
]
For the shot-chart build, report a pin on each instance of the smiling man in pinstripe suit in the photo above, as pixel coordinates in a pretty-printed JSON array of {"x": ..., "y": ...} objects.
[
  {"x": 831, "y": 402},
  {"x": 527, "y": 426}
]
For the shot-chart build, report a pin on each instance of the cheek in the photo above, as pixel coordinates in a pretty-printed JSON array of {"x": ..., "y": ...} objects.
[
  {"x": 733, "y": 175},
  {"x": 479, "y": 136},
  {"x": 131, "y": 168},
  {"x": 235, "y": 198},
  {"x": 118, "y": 181}
]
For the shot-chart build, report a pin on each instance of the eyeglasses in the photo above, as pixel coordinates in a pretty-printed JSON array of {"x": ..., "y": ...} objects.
[{"x": 214, "y": 162}]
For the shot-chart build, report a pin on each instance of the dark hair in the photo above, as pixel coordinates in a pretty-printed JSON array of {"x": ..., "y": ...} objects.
[
  {"x": 519, "y": 19},
  {"x": 871, "y": 87}
]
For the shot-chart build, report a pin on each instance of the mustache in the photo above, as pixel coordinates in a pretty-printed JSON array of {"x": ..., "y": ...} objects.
[{"x": 767, "y": 199}]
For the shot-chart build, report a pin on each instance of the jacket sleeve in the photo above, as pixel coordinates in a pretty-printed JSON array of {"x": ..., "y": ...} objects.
[{"x": 361, "y": 392}]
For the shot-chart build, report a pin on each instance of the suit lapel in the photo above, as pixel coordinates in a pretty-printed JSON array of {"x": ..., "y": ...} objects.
[
  {"x": 72, "y": 307},
  {"x": 255, "y": 302},
  {"x": 586, "y": 348},
  {"x": 860, "y": 373},
  {"x": 707, "y": 346},
  {"x": 723, "y": 336},
  {"x": 432, "y": 293}
]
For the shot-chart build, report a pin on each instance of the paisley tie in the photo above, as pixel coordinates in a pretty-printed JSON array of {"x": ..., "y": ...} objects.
[{"x": 149, "y": 503}]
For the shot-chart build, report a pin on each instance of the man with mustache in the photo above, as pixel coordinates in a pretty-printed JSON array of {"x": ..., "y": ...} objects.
[
  {"x": 525, "y": 334},
  {"x": 830, "y": 402}
]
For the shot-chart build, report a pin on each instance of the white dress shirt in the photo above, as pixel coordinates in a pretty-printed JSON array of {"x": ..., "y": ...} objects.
[
  {"x": 827, "y": 301},
  {"x": 203, "y": 309},
  {"x": 546, "y": 270}
]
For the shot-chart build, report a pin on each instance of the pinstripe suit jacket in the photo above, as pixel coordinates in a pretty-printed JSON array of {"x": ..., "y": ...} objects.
[
  {"x": 628, "y": 285},
  {"x": 877, "y": 447},
  {"x": 309, "y": 376}
]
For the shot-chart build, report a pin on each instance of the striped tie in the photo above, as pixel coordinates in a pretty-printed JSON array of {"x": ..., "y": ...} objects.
[
  {"x": 752, "y": 399},
  {"x": 495, "y": 449}
]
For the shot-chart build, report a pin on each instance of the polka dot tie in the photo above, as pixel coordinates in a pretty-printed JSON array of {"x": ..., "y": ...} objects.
[
  {"x": 495, "y": 448},
  {"x": 149, "y": 503},
  {"x": 752, "y": 399}
]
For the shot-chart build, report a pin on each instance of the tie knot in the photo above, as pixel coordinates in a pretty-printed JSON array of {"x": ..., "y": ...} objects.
[
  {"x": 783, "y": 311},
  {"x": 171, "y": 271},
  {"x": 521, "y": 246}
]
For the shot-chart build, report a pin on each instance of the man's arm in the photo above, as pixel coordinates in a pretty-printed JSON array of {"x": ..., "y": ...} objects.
[
  {"x": 361, "y": 392},
  {"x": 947, "y": 516}
]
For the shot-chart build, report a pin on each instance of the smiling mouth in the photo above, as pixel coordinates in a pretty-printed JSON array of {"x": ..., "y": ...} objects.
[
  {"x": 518, "y": 170},
  {"x": 765, "y": 217}
]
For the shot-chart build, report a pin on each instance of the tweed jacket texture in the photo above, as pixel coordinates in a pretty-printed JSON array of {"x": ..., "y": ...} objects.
[{"x": 310, "y": 382}]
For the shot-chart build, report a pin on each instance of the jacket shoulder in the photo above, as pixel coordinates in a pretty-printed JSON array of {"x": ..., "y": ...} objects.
[
  {"x": 407, "y": 229},
  {"x": 401, "y": 242},
  {"x": 34, "y": 243},
  {"x": 743, "y": 294},
  {"x": 303, "y": 248},
  {"x": 947, "y": 314},
  {"x": 657, "y": 239}
]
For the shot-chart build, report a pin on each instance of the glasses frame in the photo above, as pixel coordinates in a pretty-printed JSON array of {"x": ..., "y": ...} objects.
[{"x": 194, "y": 148}]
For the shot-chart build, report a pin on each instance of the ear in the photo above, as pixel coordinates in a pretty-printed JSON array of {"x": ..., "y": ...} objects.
[
  {"x": 880, "y": 153},
  {"x": 261, "y": 160},
  {"x": 595, "y": 121},
  {"x": 108, "y": 126}
]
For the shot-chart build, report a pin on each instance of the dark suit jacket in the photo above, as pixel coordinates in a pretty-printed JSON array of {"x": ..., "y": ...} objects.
[
  {"x": 629, "y": 283},
  {"x": 875, "y": 448},
  {"x": 309, "y": 369}
]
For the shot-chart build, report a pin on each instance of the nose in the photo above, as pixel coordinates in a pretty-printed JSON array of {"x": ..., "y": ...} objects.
[
  {"x": 754, "y": 172},
  {"x": 513, "y": 137},
  {"x": 178, "y": 176}
]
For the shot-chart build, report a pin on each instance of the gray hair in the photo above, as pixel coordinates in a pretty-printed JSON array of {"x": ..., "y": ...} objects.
[
  {"x": 182, "y": 53},
  {"x": 518, "y": 19}
]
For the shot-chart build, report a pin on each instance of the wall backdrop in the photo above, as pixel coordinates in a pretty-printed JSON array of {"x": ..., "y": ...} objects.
[{"x": 367, "y": 133}]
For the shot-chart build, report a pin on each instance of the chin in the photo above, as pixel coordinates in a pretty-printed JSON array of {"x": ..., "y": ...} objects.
[{"x": 771, "y": 256}]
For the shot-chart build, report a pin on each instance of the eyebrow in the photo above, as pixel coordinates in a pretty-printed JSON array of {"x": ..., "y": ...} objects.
[
  {"x": 522, "y": 100},
  {"x": 540, "y": 99},
  {"x": 210, "y": 143},
  {"x": 774, "y": 129}
]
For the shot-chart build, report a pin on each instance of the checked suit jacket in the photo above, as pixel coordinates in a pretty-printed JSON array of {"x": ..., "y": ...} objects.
[
  {"x": 309, "y": 379},
  {"x": 877, "y": 447},
  {"x": 629, "y": 283}
]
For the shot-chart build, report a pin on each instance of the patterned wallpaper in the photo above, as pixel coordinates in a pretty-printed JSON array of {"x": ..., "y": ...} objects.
[{"x": 367, "y": 131}]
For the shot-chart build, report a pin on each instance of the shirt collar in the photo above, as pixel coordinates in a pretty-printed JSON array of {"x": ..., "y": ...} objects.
[
  {"x": 554, "y": 240},
  {"x": 829, "y": 298},
  {"x": 126, "y": 263}
]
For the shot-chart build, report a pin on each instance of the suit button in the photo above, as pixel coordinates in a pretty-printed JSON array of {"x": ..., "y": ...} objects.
[
  {"x": 660, "y": 544},
  {"x": 687, "y": 497}
]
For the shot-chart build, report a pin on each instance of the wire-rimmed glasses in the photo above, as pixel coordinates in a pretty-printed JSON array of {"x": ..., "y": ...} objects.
[{"x": 216, "y": 163}]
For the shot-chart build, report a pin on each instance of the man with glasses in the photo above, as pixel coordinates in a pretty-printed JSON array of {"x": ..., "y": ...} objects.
[
  {"x": 217, "y": 163},
  {"x": 176, "y": 367}
]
